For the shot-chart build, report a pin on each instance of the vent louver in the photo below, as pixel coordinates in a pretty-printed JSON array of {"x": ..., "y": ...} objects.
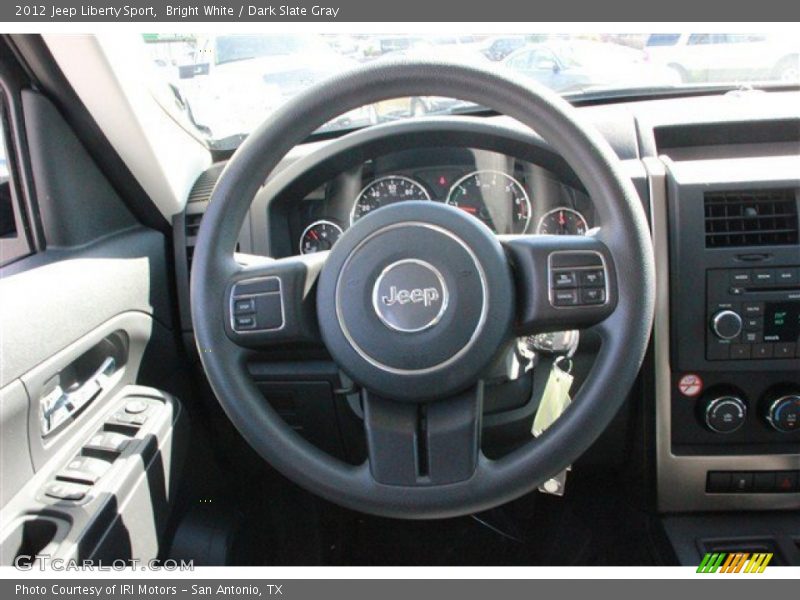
[
  {"x": 751, "y": 218},
  {"x": 202, "y": 188}
]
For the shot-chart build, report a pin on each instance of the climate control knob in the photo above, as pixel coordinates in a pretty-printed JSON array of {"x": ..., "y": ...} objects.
[
  {"x": 784, "y": 414},
  {"x": 725, "y": 414},
  {"x": 726, "y": 324}
]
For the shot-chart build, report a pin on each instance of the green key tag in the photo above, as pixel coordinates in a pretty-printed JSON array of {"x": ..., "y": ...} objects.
[{"x": 555, "y": 398}]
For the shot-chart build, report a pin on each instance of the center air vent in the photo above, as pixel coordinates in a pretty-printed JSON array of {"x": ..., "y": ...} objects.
[{"x": 751, "y": 218}]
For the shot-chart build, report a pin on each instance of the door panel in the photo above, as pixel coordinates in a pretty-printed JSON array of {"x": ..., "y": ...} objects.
[{"x": 78, "y": 321}]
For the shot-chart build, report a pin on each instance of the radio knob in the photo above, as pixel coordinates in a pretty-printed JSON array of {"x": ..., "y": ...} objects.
[
  {"x": 784, "y": 414},
  {"x": 726, "y": 324},
  {"x": 725, "y": 414}
]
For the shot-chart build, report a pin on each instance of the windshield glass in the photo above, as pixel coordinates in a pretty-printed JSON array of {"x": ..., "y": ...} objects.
[{"x": 227, "y": 84}]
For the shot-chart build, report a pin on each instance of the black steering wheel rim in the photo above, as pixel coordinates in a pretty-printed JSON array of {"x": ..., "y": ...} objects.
[{"x": 625, "y": 332}]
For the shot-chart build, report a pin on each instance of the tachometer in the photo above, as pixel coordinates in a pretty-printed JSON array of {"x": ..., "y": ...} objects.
[
  {"x": 319, "y": 236},
  {"x": 563, "y": 221},
  {"x": 384, "y": 191},
  {"x": 494, "y": 197}
]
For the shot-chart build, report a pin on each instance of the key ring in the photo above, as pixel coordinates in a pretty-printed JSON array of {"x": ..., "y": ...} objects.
[{"x": 557, "y": 363}]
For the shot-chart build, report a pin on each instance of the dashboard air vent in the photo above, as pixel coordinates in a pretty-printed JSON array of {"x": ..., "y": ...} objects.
[
  {"x": 751, "y": 218},
  {"x": 201, "y": 191},
  {"x": 193, "y": 225}
]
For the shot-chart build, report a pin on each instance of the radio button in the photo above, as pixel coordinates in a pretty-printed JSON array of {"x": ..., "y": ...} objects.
[
  {"x": 752, "y": 337},
  {"x": 787, "y": 275},
  {"x": 753, "y": 324},
  {"x": 764, "y": 277},
  {"x": 740, "y": 277},
  {"x": 762, "y": 350},
  {"x": 718, "y": 349},
  {"x": 753, "y": 309},
  {"x": 740, "y": 351}
]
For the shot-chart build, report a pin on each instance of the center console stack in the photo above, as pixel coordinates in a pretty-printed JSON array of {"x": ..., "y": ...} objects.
[{"x": 728, "y": 391}]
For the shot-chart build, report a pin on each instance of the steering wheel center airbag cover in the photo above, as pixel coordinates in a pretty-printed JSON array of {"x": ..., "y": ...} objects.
[{"x": 415, "y": 300}]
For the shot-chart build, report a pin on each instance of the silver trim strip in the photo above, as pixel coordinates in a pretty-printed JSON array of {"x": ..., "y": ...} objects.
[{"x": 682, "y": 479}]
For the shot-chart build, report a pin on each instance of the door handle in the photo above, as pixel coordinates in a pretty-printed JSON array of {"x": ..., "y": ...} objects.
[{"x": 59, "y": 405}]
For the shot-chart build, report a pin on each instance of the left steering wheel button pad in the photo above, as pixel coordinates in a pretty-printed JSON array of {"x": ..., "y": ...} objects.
[{"x": 257, "y": 305}]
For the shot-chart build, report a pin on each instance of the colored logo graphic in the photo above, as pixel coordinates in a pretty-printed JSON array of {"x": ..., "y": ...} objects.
[{"x": 735, "y": 562}]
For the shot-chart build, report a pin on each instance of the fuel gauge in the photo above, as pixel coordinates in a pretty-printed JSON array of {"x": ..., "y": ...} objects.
[
  {"x": 319, "y": 236},
  {"x": 563, "y": 221}
]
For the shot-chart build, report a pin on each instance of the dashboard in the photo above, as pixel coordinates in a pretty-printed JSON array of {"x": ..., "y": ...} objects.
[
  {"x": 509, "y": 195},
  {"x": 719, "y": 178}
]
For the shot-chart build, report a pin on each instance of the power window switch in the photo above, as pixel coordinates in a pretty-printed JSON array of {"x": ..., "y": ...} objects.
[
  {"x": 84, "y": 469},
  {"x": 107, "y": 441},
  {"x": 124, "y": 418},
  {"x": 61, "y": 490}
]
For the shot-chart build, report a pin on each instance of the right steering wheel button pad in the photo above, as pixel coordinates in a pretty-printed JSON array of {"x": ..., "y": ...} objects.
[{"x": 577, "y": 278}]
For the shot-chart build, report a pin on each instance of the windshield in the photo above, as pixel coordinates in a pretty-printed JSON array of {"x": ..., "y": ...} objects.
[{"x": 227, "y": 84}]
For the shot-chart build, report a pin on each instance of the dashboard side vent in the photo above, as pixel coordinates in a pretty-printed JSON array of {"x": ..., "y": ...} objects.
[
  {"x": 202, "y": 188},
  {"x": 193, "y": 226},
  {"x": 751, "y": 218}
]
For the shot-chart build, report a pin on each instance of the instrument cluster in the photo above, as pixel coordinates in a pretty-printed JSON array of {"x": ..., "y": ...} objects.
[{"x": 509, "y": 196}]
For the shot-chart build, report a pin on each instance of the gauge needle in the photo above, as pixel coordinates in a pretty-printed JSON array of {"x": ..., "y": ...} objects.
[
  {"x": 313, "y": 234},
  {"x": 469, "y": 209}
]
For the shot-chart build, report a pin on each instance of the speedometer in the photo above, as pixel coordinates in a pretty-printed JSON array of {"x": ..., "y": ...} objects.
[
  {"x": 384, "y": 191},
  {"x": 494, "y": 197}
]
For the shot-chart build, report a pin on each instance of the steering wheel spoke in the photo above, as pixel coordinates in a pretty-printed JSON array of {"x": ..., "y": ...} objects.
[
  {"x": 414, "y": 444},
  {"x": 563, "y": 282},
  {"x": 274, "y": 302}
]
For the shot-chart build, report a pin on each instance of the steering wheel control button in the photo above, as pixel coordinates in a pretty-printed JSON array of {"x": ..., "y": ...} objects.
[
  {"x": 244, "y": 322},
  {"x": 565, "y": 279},
  {"x": 725, "y": 414},
  {"x": 61, "y": 490},
  {"x": 244, "y": 306},
  {"x": 256, "y": 305},
  {"x": 410, "y": 295},
  {"x": 593, "y": 296},
  {"x": 565, "y": 297},
  {"x": 592, "y": 278},
  {"x": 84, "y": 469}
]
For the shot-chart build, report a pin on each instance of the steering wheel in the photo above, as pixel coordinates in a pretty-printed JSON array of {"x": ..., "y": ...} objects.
[{"x": 418, "y": 300}]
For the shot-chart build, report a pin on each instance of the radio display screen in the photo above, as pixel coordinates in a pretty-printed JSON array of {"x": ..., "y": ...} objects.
[{"x": 781, "y": 321}]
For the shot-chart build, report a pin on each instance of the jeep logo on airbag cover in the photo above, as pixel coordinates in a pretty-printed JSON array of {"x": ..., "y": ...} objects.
[{"x": 410, "y": 295}]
